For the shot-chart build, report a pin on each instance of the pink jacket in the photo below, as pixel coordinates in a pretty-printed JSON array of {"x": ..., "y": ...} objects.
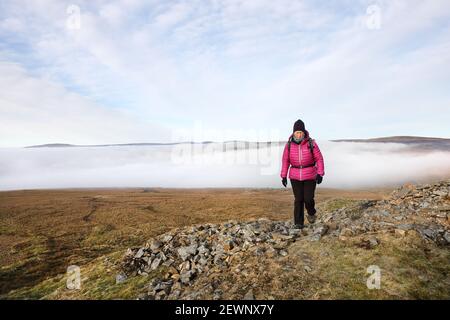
[{"x": 300, "y": 155}]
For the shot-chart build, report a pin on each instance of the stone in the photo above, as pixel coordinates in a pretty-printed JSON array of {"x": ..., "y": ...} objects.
[
  {"x": 129, "y": 252},
  {"x": 186, "y": 252},
  {"x": 369, "y": 242},
  {"x": 162, "y": 256},
  {"x": 166, "y": 238},
  {"x": 440, "y": 193},
  {"x": 332, "y": 226},
  {"x": 155, "y": 245},
  {"x": 120, "y": 278},
  {"x": 282, "y": 237},
  {"x": 139, "y": 254},
  {"x": 447, "y": 236},
  {"x": 429, "y": 233},
  {"x": 373, "y": 242},
  {"x": 164, "y": 286},
  {"x": 259, "y": 251},
  {"x": 186, "y": 265},
  {"x": 321, "y": 229},
  {"x": 294, "y": 232},
  {"x": 315, "y": 237},
  {"x": 228, "y": 245},
  {"x": 160, "y": 295},
  {"x": 249, "y": 295},
  {"x": 403, "y": 192},
  {"x": 203, "y": 250},
  {"x": 400, "y": 232},
  {"x": 280, "y": 245},
  {"x": 155, "y": 264},
  {"x": 307, "y": 268},
  {"x": 271, "y": 252},
  {"x": 168, "y": 262},
  {"x": 186, "y": 276},
  {"x": 346, "y": 232}
]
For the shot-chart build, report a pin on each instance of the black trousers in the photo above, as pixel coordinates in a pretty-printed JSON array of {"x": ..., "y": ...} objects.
[{"x": 304, "y": 197}]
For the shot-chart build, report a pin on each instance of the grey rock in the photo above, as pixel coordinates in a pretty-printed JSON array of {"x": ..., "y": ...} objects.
[
  {"x": 249, "y": 295},
  {"x": 164, "y": 285},
  {"x": 155, "y": 264},
  {"x": 139, "y": 254},
  {"x": 447, "y": 237},
  {"x": 168, "y": 262},
  {"x": 373, "y": 241},
  {"x": 155, "y": 245},
  {"x": 440, "y": 193},
  {"x": 283, "y": 253},
  {"x": 315, "y": 237},
  {"x": 429, "y": 233},
  {"x": 186, "y": 252},
  {"x": 120, "y": 278},
  {"x": 186, "y": 276},
  {"x": 166, "y": 238}
]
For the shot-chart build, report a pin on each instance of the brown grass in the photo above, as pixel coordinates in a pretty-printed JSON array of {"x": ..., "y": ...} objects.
[{"x": 44, "y": 231}]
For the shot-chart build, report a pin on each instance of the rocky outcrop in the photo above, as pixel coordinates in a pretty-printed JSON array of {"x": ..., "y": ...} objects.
[
  {"x": 424, "y": 209},
  {"x": 198, "y": 252},
  {"x": 192, "y": 251}
]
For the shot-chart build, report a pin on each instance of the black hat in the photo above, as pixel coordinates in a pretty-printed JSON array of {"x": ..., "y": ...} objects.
[{"x": 299, "y": 126}]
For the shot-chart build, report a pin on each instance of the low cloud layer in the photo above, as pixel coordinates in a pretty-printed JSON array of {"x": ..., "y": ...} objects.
[{"x": 347, "y": 165}]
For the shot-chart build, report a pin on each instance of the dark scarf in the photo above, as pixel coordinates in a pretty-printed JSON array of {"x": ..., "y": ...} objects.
[{"x": 298, "y": 141}]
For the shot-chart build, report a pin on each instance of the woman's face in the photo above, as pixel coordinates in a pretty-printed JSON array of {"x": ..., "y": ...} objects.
[{"x": 298, "y": 134}]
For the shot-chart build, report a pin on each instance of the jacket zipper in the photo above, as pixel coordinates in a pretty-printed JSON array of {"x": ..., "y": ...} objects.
[{"x": 300, "y": 159}]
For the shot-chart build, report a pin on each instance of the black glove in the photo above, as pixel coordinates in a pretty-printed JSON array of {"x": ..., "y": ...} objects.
[
  {"x": 284, "y": 182},
  {"x": 319, "y": 179}
]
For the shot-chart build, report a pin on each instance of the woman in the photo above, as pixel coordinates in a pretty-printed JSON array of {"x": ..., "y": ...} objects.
[{"x": 303, "y": 156}]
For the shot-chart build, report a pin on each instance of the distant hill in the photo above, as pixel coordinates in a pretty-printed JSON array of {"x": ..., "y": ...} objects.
[
  {"x": 422, "y": 143},
  {"x": 414, "y": 143},
  {"x": 57, "y": 145},
  {"x": 397, "y": 139}
]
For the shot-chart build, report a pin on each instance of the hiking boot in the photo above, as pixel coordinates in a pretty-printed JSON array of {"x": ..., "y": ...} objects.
[
  {"x": 298, "y": 226},
  {"x": 311, "y": 218}
]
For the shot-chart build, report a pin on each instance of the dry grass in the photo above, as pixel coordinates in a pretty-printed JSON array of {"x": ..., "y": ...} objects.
[{"x": 44, "y": 231}]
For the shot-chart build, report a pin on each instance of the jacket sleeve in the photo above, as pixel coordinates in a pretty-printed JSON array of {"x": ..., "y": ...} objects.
[
  {"x": 319, "y": 160},
  {"x": 285, "y": 162}
]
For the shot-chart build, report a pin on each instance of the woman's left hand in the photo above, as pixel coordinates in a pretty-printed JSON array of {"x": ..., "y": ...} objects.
[{"x": 319, "y": 179}]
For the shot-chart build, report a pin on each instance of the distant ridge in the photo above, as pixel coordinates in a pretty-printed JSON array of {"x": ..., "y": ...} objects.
[
  {"x": 57, "y": 145},
  {"x": 397, "y": 139},
  {"x": 413, "y": 143},
  {"x": 426, "y": 142}
]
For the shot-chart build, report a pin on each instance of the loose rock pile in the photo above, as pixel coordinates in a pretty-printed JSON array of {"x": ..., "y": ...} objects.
[
  {"x": 190, "y": 252},
  {"x": 424, "y": 209}
]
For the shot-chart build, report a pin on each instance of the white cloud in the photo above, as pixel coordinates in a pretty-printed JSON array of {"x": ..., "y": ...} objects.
[
  {"x": 34, "y": 111},
  {"x": 347, "y": 165}
]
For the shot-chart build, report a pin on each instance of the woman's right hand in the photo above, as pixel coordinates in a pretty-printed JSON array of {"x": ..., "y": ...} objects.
[{"x": 284, "y": 182}]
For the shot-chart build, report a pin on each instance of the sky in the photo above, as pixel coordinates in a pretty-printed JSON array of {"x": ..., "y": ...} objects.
[{"x": 126, "y": 71}]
